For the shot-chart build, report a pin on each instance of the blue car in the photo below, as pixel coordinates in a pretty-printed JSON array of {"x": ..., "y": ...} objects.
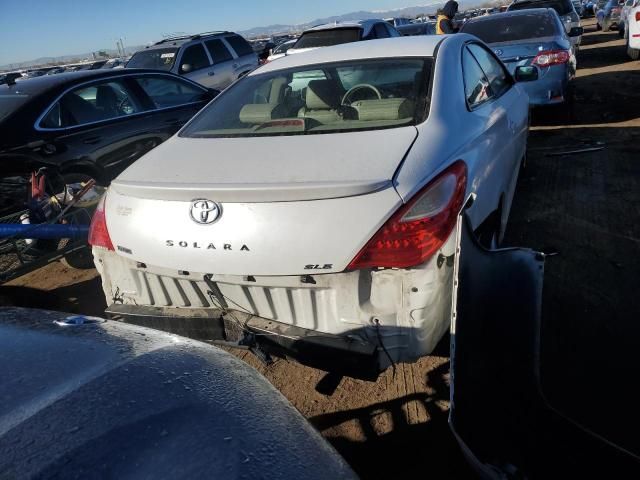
[{"x": 532, "y": 38}]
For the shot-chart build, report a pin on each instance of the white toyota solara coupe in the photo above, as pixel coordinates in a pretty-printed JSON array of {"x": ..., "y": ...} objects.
[{"x": 309, "y": 211}]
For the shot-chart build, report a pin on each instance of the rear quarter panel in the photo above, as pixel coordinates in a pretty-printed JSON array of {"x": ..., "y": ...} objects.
[{"x": 490, "y": 140}]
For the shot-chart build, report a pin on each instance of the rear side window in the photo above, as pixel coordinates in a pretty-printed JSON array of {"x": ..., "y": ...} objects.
[
  {"x": 218, "y": 51},
  {"x": 90, "y": 104},
  {"x": 194, "y": 58},
  {"x": 499, "y": 80},
  {"x": 512, "y": 28},
  {"x": 563, "y": 7},
  {"x": 327, "y": 38},
  {"x": 169, "y": 92},
  {"x": 157, "y": 59},
  {"x": 240, "y": 45},
  {"x": 476, "y": 85}
]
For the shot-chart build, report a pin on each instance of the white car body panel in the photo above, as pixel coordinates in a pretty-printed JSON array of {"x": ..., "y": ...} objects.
[
  {"x": 632, "y": 27},
  {"x": 368, "y": 176}
]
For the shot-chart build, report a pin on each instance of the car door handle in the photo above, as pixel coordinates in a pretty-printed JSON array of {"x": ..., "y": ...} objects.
[
  {"x": 92, "y": 140},
  {"x": 211, "y": 74}
]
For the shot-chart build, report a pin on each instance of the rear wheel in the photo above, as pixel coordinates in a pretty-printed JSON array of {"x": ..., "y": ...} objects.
[
  {"x": 81, "y": 259},
  {"x": 598, "y": 27},
  {"x": 621, "y": 30},
  {"x": 634, "y": 53}
]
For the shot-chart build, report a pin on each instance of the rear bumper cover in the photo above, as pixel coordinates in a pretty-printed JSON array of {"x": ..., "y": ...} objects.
[{"x": 341, "y": 354}]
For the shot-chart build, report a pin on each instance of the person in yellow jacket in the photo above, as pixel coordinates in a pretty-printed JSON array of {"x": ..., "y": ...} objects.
[{"x": 444, "y": 22}]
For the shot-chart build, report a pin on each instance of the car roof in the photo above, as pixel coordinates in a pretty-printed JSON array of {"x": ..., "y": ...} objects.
[
  {"x": 419, "y": 46},
  {"x": 37, "y": 85},
  {"x": 511, "y": 13},
  {"x": 365, "y": 25},
  {"x": 181, "y": 40}
]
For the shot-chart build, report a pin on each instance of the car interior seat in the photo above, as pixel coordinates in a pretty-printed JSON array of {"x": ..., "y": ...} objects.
[
  {"x": 322, "y": 102},
  {"x": 76, "y": 110},
  {"x": 107, "y": 101}
]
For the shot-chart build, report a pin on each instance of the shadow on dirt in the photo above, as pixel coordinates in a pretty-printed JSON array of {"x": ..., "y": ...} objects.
[
  {"x": 409, "y": 451},
  {"x": 584, "y": 207},
  {"x": 597, "y": 99},
  {"x": 602, "y": 57},
  {"x": 595, "y": 39},
  {"x": 76, "y": 298}
]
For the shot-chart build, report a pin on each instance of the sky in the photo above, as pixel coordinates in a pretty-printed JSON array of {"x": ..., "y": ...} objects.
[{"x": 31, "y": 29}]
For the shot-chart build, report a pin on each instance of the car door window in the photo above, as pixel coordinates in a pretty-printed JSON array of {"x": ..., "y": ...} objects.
[
  {"x": 218, "y": 51},
  {"x": 499, "y": 79},
  {"x": 240, "y": 45},
  {"x": 169, "y": 92},
  {"x": 89, "y": 104},
  {"x": 476, "y": 85},
  {"x": 194, "y": 58}
]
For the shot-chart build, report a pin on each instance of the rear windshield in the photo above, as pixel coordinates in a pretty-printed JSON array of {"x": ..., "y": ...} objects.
[
  {"x": 508, "y": 28},
  {"x": 326, "y": 98},
  {"x": 158, "y": 59},
  {"x": 560, "y": 6},
  {"x": 10, "y": 103},
  {"x": 327, "y": 38}
]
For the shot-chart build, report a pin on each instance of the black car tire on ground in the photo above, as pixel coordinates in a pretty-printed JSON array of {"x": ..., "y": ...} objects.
[
  {"x": 634, "y": 53},
  {"x": 598, "y": 27},
  {"x": 81, "y": 259},
  {"x": 621, "y": 30}
]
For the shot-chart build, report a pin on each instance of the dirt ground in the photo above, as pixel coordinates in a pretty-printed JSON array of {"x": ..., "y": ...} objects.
[{"x": 584, "y": 207}]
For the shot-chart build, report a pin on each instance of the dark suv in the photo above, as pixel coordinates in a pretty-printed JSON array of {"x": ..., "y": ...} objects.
[
  {"x": 564, "y": 8},
  {"x": 214, "y": 59}
]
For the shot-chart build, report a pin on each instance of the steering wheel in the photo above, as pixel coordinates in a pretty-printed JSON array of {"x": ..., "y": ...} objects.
[{"x": 346, "y": 100}]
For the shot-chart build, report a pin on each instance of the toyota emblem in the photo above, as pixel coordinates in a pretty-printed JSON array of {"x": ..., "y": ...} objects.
[
  {"x": 205, "y": 212},
  {"x": 498, "y": 52}
]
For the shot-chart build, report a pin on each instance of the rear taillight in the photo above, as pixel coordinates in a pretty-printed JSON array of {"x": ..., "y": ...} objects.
[
  {"x": 98, "y": 233},
  {"x": 551, "y": 57},
  {"x": 637, "y": 16},
  {"x": 419, "y": 228}
]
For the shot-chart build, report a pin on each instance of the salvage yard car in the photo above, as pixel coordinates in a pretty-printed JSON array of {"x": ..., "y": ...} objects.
[
  {"x": 536, "y": 39},
  {"x": 93, "y": 123},
  {"x": 342, "y": 32},
  {"x": 313, "y": 203},
  {"x": 565, "y": 10},
  {"x": 213, "y": 59},
  {"x": 632, "y": 32}
]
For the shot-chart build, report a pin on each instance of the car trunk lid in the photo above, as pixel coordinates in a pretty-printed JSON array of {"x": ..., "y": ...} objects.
[
  {"x": 268, "y": 169},
  {"x": 523, "y": 52},
  {"x": 274, "y": 199}
]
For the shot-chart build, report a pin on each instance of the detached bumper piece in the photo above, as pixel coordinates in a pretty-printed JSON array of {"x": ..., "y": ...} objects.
[
  {"x": 344, "y": 355},
  {"x": 499, "y": 413}
]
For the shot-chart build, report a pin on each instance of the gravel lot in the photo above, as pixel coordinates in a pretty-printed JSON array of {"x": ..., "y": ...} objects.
[{"x": 585, "y": 207}]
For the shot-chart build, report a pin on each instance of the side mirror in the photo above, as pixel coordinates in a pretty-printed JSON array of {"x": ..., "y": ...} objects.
[
  {"x": 576, "y": 31},
  {"x": 526, "y": 74},
  {"x": 185, "y": 68}
]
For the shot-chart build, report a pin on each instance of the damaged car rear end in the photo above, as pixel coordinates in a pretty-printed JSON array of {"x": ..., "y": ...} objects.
[{"x": 310, "y": 210}]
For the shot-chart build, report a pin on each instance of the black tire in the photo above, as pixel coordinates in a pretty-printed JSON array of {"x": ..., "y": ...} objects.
[
  {"x": 598, "y": 27},
  {"x": 81, "y": 259},
  {"x": 634, "y": 53},
  {"x": 621, "y": 30}
]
